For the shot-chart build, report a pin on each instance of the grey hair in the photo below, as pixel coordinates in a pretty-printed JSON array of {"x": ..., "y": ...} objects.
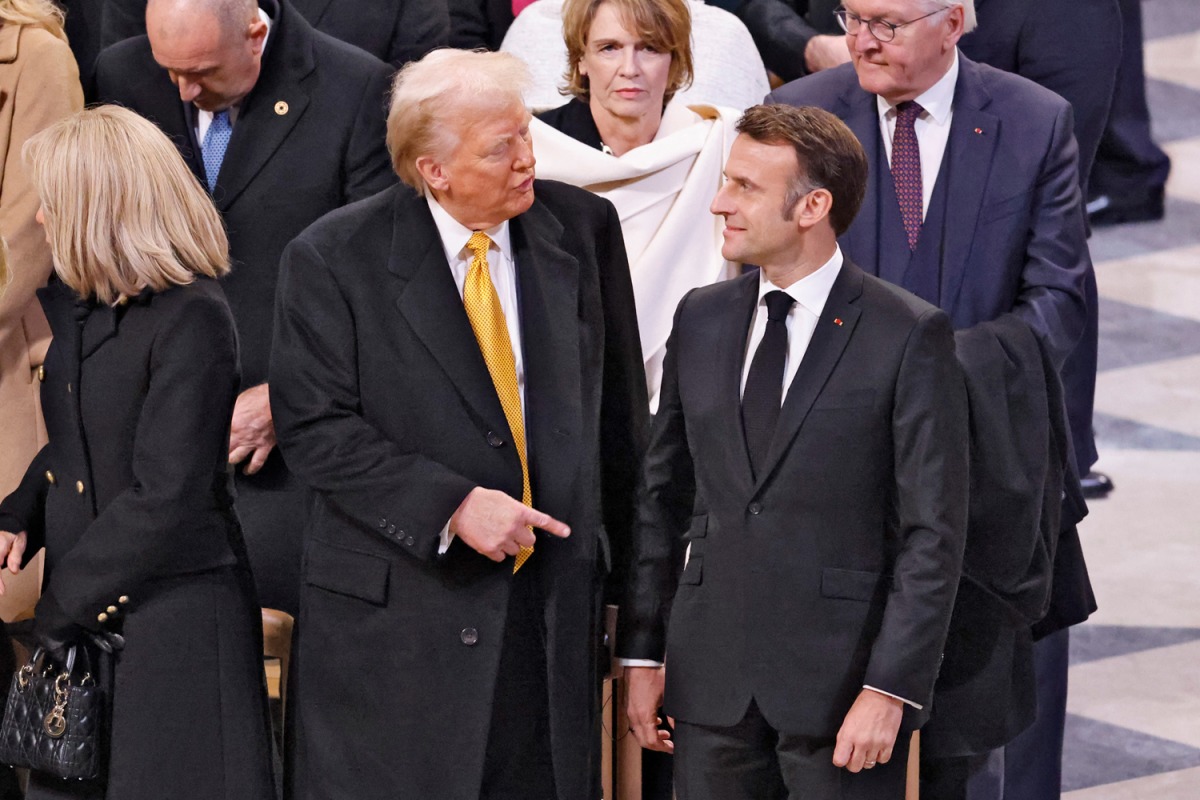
[
  {"x": 968, "y": 6},
  {"x": 425, "y": 92}
]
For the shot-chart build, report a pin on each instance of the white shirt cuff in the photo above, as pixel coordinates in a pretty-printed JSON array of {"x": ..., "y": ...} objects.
[
  {"x": 447, "y": 538},
  {"x": 638, "y": 662},
  {"x": 917, "y": 706}
]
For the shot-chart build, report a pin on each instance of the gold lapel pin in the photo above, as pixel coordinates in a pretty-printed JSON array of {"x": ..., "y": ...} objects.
[{"x": 281, "y": 107}]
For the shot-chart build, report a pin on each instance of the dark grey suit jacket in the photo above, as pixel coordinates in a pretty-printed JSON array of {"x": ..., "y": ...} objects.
[
  {"x": 384, "y": 406},
  {"x": 837, "y": 566}
]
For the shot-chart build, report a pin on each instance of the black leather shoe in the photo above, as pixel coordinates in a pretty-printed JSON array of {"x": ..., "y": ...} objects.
[
  {"x": 1096, "y": 485},
  {"x": 1111, "y": 209}
]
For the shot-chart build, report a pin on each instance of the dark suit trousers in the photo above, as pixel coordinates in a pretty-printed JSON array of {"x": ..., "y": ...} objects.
[
  {"x": 753, "y": 761},
  {"x": 517, "y": 764}
]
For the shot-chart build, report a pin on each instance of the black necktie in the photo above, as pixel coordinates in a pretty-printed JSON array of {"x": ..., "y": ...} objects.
[{"x": 763, "y": 394}]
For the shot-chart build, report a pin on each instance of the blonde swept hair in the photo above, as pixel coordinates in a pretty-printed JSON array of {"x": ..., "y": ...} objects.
[
  {"x": 37, "y": 13},
  {"x": 665, "y": 25},
  {"x": 123, "y": 212},
  {"x": 426, "y": 92}
]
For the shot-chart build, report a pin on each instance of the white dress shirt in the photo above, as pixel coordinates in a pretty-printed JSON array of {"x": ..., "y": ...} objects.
[
  {"x": 932, "y": 128},
  {"x": 810, "y": 294},
  {"x": 204, "y": 118},
  {"x": 503, "y": 270}
]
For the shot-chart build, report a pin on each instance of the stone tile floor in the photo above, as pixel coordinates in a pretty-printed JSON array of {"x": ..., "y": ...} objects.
[{"x": 1133, "y": 730}]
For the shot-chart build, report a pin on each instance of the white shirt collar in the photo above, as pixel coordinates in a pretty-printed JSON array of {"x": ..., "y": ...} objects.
[
  {"x": 937, "y": 100},
  {"x": 813, "y": 289},
  {"x": 454, "y": 234}
]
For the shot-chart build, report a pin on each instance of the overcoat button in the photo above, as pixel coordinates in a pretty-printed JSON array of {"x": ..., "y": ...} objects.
[
  {"x": 123, "y": 599},
  {"x": 382, "y": 522},
  {"x": 111, "y": 609},
  {"x": 391, "y": 529},
  {"x": 410, "y": 541},
  {"x": 755, "y": 508},
  {"x": 50, "y": 479},
  {"x": 79, "y": 486},
  {"x": 102, "y": 617},
  {"x": 469, "y": 636},
  {"x": 494, "y": 439}
]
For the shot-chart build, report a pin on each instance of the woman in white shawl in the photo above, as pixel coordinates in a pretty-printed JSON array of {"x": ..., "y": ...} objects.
[{"x": 658, "y": 162}]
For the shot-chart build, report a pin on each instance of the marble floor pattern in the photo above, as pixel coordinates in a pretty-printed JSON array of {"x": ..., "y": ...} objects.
[{"x": 1133, "y": 727}]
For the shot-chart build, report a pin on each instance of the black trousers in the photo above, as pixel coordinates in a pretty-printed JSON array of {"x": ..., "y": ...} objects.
[
  {"x": 753, "y": 761},
  {"x": 517, "y": 764}
]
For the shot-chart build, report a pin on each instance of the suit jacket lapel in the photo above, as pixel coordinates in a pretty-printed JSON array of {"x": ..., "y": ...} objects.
[
  {"x": 829, "y": 340},
  {"x": 433, "y": 308},
  {"x": 272, "y": 109},
  {"x": 861, "y": 115},
  {"x": 972, "y": 148},
  {"x": 729, "y": 349},
  {"x": 548, "y": 288}
]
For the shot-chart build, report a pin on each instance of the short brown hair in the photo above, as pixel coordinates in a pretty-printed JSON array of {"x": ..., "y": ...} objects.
[
  {"x": 828, "y": 156},
  {"x": 665, "y": 25},
  {"x": 123, "y": 211}
]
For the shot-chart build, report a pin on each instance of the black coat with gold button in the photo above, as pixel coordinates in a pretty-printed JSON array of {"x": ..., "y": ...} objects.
[{"x": 130, "y": 501}]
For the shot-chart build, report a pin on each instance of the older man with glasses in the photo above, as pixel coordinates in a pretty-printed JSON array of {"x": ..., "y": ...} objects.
[{"x": 974, "y": 205}]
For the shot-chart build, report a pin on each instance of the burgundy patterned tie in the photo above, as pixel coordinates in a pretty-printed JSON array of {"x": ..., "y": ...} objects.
[{"x": 906, "y": 169}]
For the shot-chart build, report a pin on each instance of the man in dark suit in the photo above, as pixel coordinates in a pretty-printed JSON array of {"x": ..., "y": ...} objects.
[
  {"x": 282, "y": 126},
  {"x": 457, "y": 374},
  {"x": 395, "y": 31},
  {"x": 986, "y": 221},
  {"x": 810, "y": 445}
]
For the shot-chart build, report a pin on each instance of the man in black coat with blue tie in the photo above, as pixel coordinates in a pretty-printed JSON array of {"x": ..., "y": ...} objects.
[{"x": 282, "y": 124}]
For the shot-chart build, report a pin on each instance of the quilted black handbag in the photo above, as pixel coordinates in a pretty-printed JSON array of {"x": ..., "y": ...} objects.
[{"x": 54, "y": 720}]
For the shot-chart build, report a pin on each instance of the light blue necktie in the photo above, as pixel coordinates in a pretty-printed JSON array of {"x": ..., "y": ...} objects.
[{"x": 216, "y": 140}]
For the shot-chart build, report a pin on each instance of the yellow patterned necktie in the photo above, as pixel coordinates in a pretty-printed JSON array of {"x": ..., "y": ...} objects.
[{"x": 491, "y": 331}]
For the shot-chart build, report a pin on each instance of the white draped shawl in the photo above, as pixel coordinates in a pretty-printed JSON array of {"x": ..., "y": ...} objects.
[{"x": 662, "y": 192}]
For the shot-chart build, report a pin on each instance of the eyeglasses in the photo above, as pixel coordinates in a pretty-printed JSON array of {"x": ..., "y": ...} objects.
[{"x": 881, "y": 29}]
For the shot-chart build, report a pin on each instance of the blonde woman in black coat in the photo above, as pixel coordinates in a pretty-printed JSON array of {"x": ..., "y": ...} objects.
[{"x": 130, "y": 496}]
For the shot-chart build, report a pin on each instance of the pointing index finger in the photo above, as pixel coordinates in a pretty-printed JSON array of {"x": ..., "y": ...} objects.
[{"x": 549, "y": 524}]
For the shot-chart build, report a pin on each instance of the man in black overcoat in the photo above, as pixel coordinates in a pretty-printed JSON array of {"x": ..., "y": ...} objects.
[
  {"x": 811, "y": 447},
  {"x": 304, "y": 120},
  {"x": 456, "y": 373}
]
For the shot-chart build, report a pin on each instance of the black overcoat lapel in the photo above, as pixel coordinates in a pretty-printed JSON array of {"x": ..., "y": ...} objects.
[
  {"x": 548, "y": 288},
  {"x": 272, "y": 109},
  {"x": 433, "y": 308}
]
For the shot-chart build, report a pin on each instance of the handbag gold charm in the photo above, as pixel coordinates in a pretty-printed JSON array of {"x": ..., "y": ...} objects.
[{"x": 56, "y": 720}]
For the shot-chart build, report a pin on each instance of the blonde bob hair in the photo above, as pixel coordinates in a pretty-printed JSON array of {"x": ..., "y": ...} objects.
[
  {"x": 665, "y": 25},
  {"x": 122, "y": 211},
  {"x": 428, "y": 92},
  {"x": 37, "y": 13}
]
